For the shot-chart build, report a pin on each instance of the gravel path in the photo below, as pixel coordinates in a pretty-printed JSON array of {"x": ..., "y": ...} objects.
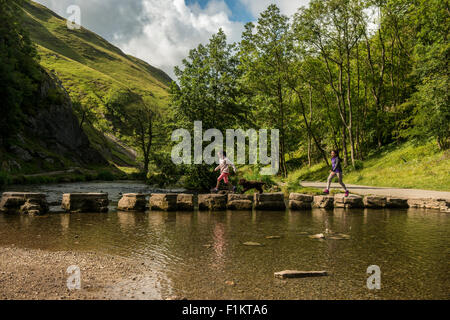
[{"x": 384, "y": 191}]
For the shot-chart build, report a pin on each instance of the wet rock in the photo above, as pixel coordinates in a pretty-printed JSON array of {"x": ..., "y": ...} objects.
[
  {"x": 317, "y": 236},
  {"x": 352, "y": 201},
  {"x": 299, "y": 201},
  {"x": 269, "y": 201},
  {"x": 375, "y": 201},
  {"x": 24, "y": 202},
  {"x": 213, "y": 202},
  {"x": 299, "y": 274},
  {"x": 240, "y": 201},
  {"x": 325, "y": 202},
  {"x": 163, "y": 201},
  {"x": 85, "y": 202},
  {"x": 273, "y": 237},
  {"x": 252, "y": 244},
  {"x": 132, "y": 202},
  {"x": 185, "y": 202},
  {"x": 396, "y": 203}
]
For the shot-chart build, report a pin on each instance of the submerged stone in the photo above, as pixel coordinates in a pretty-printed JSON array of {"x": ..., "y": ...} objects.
[{"x": 299, "y": 274}]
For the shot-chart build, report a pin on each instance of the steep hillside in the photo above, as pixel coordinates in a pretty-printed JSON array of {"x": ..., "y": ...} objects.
[{"x": 94, "y": 72}]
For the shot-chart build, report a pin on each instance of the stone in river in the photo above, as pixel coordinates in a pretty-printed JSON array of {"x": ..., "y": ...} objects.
[
  {"x": 251, "y": 243},
  {"x": 299, "y": 274}
]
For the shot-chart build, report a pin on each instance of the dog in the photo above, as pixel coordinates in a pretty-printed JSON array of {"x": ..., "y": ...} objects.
[{"x": 248, "y": 185}]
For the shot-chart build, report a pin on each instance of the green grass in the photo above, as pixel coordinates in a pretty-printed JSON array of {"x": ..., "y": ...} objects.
[
  {"x": 91, "y": 69},
  {"x": 411, "y": 165}
]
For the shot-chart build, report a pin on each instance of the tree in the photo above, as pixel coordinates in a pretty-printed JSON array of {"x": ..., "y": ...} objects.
[
  {"x": 208, "y": 91},
  {"x": 332, "y": 29},
  {"x": 265, "y": 53}
]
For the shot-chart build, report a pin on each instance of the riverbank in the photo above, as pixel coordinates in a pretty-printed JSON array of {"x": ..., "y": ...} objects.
[{"x": 40, "y": 274}]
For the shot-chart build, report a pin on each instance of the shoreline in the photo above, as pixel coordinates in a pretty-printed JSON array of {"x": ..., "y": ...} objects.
[{"x": 36, "y": 274}]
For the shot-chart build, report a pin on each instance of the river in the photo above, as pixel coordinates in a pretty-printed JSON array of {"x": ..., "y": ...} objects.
[{"x": 201, "y": 255}]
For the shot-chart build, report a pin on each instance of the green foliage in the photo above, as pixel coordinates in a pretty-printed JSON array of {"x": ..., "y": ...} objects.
[
  {"x": 105, "y": 175},
  {"x": 19, "y": 72}
]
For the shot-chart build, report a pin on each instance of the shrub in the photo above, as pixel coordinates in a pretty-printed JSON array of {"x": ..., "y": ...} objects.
[{"x": 105, "y": 175}]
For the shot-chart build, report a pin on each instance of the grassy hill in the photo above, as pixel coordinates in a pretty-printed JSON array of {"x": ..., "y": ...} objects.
[
  {"x": 92, "y": 70},
  {"x": 409, "y": 165}
]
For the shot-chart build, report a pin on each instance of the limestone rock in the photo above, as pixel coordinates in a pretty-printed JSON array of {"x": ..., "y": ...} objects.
[
  {"x": 352, "y": 201},
  {"x": 375, "y": 202},
  {"x": 298, "y": 201},
  {"x": 396, "y": 202},
  {"x": 24, "y": 202},
  {"x": 85, "y": 202},
  {"x": 239, "y": 201},
  {"x": 325, "y": 202},
  {"x": 213, "y": 202},
  {"x": 269, "y": 201},
  {"x": 185, "y": 202},
  {"x": 163, "y": 201},
  {"x": 132, "y": 202}
]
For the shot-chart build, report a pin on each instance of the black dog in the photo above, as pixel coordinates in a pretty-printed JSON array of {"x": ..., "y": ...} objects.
[{"x": 251, "y": 185}]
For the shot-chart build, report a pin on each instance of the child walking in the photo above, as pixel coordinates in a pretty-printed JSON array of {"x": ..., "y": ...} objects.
[
  {"x": 336, "y": 170},
  {"x": 223, "y": 166}
]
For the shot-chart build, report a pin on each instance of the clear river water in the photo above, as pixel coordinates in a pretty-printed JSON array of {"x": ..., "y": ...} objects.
[{"x": 195, "y": 253}]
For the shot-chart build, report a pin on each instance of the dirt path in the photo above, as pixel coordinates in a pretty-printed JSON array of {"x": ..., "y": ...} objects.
[{"x": 384, "y": 191}]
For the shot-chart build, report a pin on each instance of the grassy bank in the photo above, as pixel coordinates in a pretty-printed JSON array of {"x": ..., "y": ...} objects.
[{"x": 410, "y": 165}]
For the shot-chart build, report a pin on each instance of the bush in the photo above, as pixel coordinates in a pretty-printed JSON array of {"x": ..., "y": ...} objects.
[
  {"x": 105, "y": 175},
  {"x": 4, "y": 179}
]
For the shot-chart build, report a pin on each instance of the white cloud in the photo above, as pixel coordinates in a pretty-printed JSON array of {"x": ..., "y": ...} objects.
[
  {"x": 287, "y": 7},
  {"x": 173, "y": 28},
  {"x": 162, "y": 32}
]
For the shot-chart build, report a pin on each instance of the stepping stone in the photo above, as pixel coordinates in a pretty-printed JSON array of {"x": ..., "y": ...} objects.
[
  {"x": 85, "y": 202},
  {"x": 212, "y": 202},
  {"x": 324, "y": 202},
  {"x": 24, "y": 202},
  {"x": 132, "y": 202},
  {"x": 185, "y": 202},
  {"x": 163, "y": 201}
]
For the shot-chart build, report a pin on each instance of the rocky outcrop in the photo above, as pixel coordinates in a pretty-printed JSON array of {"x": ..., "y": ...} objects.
[
  {"x": 299, "y": 201},
  {"x": 23, "y": 202},
  {"x": 85, "y": 202},
  {"x": 212, "y": 202},
  {"x": 240, "y": 201},
  {"x": 132, "y": 202},
  {"x": 375, "y": 202},
  {"x": 324, "y": 202},
  {"x": 352, "y": 201},
  {"x": 163, "y": 201},
  {"x": 185, "y": 202},
  {"x": 269, "y": 201}
]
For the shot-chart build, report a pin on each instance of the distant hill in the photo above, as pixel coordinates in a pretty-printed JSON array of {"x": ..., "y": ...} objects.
[{"x": 92, "y": 71}]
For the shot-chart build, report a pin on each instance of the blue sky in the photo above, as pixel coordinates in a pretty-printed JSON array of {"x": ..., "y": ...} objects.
[
  {"x": 162, "y": 32},
  {"x": 240, "y": 12}
]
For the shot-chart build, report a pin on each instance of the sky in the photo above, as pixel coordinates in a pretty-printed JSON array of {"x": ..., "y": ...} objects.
[{"x": 162, "y": 32}]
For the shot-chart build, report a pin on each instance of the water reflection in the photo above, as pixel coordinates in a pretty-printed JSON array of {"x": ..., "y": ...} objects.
[{"x": 195, "y": 252}]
